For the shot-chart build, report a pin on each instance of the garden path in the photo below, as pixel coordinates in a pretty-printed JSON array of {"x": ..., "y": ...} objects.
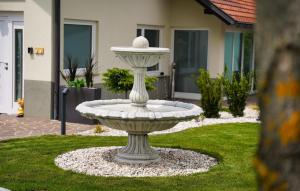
[{"x": 14, "y": 127}]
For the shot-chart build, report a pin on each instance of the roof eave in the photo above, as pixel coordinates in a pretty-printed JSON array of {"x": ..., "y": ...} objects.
[
  {"x": 244, "y": 25},
  {"x": 222, "y": 15}
]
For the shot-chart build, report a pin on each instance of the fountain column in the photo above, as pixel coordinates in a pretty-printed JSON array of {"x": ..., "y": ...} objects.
[
  {"x": 139, "y": 95},
  {"x": 139, "y": 56}
]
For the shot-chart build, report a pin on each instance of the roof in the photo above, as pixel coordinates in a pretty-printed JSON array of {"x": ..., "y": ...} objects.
[{"x": 232, "y": 12}]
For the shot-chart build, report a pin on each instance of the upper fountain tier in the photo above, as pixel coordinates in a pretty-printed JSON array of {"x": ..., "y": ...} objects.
[{"x": 140, "y": 55}]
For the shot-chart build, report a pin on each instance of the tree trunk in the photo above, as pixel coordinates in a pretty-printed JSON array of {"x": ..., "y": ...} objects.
[{"x": 278, "y": 58}]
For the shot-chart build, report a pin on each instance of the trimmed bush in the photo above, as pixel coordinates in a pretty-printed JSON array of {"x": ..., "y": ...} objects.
[
  {"x": 211, "y": 94},
  {"x": 121, "y": 81},
  {"x": 237, "y": 91}
]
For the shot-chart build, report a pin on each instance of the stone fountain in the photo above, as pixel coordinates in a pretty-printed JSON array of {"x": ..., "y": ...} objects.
[{"x": 139, "y": 116}]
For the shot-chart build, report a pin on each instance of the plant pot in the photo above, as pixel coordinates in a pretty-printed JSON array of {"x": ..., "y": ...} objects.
[{"x": 76, "y": 96}]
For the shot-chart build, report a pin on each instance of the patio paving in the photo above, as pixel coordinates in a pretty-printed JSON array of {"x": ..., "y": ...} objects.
[{"x": 14, "y": 127}]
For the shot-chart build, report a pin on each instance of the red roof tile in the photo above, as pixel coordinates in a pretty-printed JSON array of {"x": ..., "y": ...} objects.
[{"x": 242, "y": 11}]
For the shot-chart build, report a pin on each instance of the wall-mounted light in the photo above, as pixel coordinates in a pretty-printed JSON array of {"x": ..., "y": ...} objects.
[{"x": 30, "y": 50}]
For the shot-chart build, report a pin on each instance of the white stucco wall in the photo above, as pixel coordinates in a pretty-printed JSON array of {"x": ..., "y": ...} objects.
[
  {"x": 116, "y": 24},
  {"x": 117, "y": 21},
  {"x": 189, "y": 14},
  {"x": 38, "y": 33},
  {"x": 37, "y": 69},
  {"x": 12, "y": 5}
]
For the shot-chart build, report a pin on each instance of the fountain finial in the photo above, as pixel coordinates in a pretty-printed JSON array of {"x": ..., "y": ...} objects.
[{"x": 140, "y": 42}]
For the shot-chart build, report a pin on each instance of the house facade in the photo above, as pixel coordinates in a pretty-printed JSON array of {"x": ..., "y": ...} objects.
[{"x": 37, "y": 35}]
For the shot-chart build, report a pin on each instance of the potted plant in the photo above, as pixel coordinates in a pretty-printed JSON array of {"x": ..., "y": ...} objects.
[{"x": 80, "y": 89}]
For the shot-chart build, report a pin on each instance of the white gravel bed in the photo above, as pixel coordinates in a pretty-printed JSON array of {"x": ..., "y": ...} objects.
[
  {"x": 250, "y": 116},
  {"x": 99, "y": 161}
]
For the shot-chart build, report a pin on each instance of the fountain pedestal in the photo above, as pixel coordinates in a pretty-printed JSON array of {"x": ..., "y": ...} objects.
[{"x": 137, "y": 150}]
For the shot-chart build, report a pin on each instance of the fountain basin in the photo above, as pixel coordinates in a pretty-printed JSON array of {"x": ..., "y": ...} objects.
[{"x": 158, "y": 115}]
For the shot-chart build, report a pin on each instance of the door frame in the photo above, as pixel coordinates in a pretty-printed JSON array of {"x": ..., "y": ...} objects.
[
  {"x": 17, "y": 25},
  {"x": 17, "y": 22},
  {"x": 185, "y": 95}
]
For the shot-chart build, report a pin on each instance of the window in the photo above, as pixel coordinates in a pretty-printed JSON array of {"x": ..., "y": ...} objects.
[
  {"x": 18, "y": 63},
  {"x": 154, "y": 37},
  {"x": 79, "y": 42},
  {"x": 190, "y": 54},
  {"x": 239, "y": 53}
]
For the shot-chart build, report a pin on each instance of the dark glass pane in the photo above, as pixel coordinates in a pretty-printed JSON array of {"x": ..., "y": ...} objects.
[
  {"x": 153, "y": 68},
  {"x": 237, "y": 52},
  {"x": 139, "y": 32},
  {"x": 153, "y": 38},
  {"x": 190, "y": 54},
  {"x": 248, "y": 52},
  {"x": 78, "y": 43},
  {"x": 233, "y": 53},
  {"x": 228, "y": 53},
  {"x": 18, "y": 63}
]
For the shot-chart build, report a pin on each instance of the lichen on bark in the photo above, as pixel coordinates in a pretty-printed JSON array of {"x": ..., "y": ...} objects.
[{"x": 278, "y": 61}]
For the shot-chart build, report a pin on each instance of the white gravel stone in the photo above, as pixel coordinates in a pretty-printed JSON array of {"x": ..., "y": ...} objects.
[
  {"x": 99, "y": 161},
  {"x": 250, "y": 116},
  {"x": 3, "y": 189}
]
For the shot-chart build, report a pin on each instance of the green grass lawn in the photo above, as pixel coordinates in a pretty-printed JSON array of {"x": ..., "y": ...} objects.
[{"x": 28, "y": 164}]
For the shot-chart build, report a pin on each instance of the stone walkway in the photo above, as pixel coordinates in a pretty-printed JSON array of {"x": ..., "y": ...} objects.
[{"x": 14, "y": 127}]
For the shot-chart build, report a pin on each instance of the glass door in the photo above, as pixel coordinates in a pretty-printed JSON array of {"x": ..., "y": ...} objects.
[
  {"x": 239, "y": 54},
  {"x": 190, "y": 54},
  {"x": 233, "y": 53}
]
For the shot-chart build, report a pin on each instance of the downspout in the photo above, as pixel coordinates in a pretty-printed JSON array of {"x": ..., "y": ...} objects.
[{"x": 57, "y": 23}]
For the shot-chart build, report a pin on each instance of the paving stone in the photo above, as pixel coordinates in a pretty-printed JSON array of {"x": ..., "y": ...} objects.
[{"x": 14, "y": 127}]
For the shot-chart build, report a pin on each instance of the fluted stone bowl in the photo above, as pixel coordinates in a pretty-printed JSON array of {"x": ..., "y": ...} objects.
[
  {"x": 158, "y": 115},
  {"x": 140, "y": 57}
]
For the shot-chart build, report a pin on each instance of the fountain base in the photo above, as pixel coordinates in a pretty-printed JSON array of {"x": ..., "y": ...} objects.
[{"x": 138, "y": 150}]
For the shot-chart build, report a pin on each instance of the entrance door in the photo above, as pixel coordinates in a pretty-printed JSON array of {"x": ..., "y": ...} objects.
[
  {"x": 11, "y": 64},
  {"x": 190, "y": 54},
  {"x": 6, "y": 83}
]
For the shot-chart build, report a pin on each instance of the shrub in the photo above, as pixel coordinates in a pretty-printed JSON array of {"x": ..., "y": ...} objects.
[
  {"x": 237, "y": 91},
  {"x": 211, "y": 94},
  {"x": 72, "y": 66},
  {"x": 89, "y": 72},
  {"x": 99, "y": 129},
  {"x": 121, "y": 81}
]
